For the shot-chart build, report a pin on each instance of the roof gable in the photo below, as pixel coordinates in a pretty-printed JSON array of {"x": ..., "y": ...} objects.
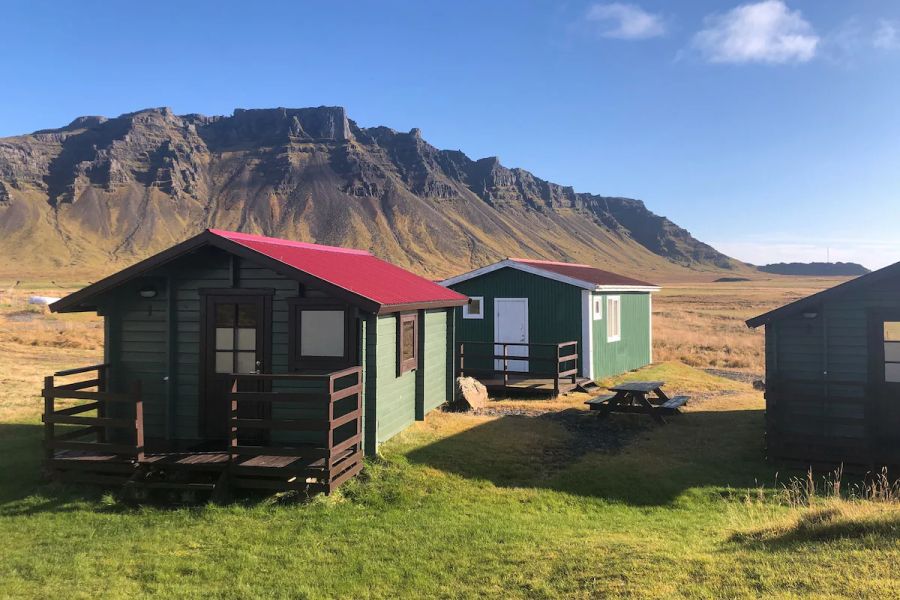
[
  {"x": 578, "y": 275},
  {"x": 809, "y": 301},
  {"x": 353, "y": 275}
]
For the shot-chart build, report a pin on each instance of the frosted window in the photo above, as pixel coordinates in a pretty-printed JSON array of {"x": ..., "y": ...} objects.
[
  {"x": 246, "y": 362},
  {"x": 613, "y": 319},
  {"x": 224, "y": 362},
  {"x": 598, "y": 308},
  {"x": 322, "y": 333},
  {"x": 892, "y": 372},
  {"x": 892, "y": 331},
  {"x": 474, "y": 309},
  {"x": 224, "y": 338},
  {"x": 892, "y": 351},
  {"x": 246, "y": 339}
]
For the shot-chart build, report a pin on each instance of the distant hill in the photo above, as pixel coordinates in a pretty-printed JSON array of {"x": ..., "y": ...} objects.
[
  {"x": 819, "y": 269},
  {"x": 100, "y": 193}
]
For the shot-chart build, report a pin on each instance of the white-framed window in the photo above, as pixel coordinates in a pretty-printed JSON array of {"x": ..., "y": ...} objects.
[
  {"x": 474, "y": 309},
  {"x": 597, "y": 307},
  {"x": 613, "y": 318}
]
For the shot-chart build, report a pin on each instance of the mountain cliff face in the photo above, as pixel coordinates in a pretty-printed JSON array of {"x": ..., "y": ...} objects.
[{"x": 101, "y": 192}]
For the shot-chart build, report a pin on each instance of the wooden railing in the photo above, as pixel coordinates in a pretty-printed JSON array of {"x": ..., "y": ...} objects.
[
  {"x": 338, "y": 454},
  {"x": 562, "y": 364},
  {"x": 102, "y": 421}
]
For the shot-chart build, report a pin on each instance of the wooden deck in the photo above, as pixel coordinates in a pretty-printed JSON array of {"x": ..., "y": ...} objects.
[
  {"x": 527, "y": 384},
  {"x": 100, "y": 453},
  {"x": 552, "y": 368}
]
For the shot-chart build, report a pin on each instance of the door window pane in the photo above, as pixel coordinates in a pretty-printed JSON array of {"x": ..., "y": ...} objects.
[
  {"x": 224, "y": 315},
  {"x": 246, "y": 339},
  {"x": 246, "y": 362},
  {"x": 892, "y": 351},
  {"x": 892, "y": 372},
  {"x": 224, "y": 362},
  {"x": 246, "y": 315},
  {"x": 322, "y": 333},
  {"x": 224, "y": 338}
]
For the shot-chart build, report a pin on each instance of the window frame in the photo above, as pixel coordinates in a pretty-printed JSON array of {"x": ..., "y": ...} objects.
[
  {"x": 617, "y": 321},
  {"x": 465, "y": 308},
  {"x": 597, "y": 302},
  {"x": 298, "y": 362},
  {"x": 412, "y": 363}
]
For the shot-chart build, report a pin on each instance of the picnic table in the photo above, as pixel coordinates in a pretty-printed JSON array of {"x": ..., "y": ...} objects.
[{"x": 642, "y": 397}]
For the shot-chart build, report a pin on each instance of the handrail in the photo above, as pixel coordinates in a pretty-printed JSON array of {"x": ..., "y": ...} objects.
[
  {"x": 559, "y": 372},
  {"x": 341, "y": 459},
  {"x": 97, "y": 426},
  {"x": 78, "y": 370}
]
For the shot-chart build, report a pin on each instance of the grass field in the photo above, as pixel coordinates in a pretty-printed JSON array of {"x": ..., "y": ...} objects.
[{"x": 533, "y": 499}]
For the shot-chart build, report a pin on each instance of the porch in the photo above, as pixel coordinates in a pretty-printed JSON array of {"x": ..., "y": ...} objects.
[
  {"x": 285, "y": 432},
  {"x": 525, "y": 368}
]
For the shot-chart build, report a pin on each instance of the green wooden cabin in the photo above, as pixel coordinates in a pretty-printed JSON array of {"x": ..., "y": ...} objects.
[
  {"x": 184, "y": 323},
  {"x": 833, "y": 374},
  {"x": 537, "y": 305}
]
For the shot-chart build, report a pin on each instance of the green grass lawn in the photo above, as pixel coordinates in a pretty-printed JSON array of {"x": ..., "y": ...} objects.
[{"x": 471, "y": 506}]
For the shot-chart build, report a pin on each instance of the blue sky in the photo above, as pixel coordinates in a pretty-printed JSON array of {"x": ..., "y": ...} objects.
[{"x": 769, "y": 129}]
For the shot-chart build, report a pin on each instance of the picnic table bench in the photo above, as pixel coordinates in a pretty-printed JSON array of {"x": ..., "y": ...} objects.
[{"x": 635, "y": 397}]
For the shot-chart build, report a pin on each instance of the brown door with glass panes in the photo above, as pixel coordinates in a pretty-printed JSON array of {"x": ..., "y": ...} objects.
[
  {"x": 884, "y": 374},
  {"x": 236, "y": 337}
]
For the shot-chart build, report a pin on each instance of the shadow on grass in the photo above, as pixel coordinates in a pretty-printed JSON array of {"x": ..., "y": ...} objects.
[
  {"x": 646, "y": 465},
  {"x": 830, "y": 524}
]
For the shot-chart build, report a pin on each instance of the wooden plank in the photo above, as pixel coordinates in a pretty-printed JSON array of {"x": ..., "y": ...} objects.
[
  {"x": 75, "y": 410},
  {"x": 91, "y": 447},
  {"x": 346, "y": 393},
  {"x": 78, "y": 370},
  {"x": 344, "y": 419},
  {"x": 337, "y": 481},
  {"x": 296, "y": 397},
  {"x": 99, "y": 421},
  {"x": 81, "y": 395},
  {"x": 346, "y": 444},
  {"x": 638, "y": 386},
  {"x": 79, "y": 385},
  {"x": 282, "y": 424},
  {"x": 298, "y": 451}
]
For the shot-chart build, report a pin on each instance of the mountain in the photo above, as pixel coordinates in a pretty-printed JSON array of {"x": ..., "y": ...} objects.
[
  {"x": 820, "y": 269},
  {"x": 100, "y": 193}
]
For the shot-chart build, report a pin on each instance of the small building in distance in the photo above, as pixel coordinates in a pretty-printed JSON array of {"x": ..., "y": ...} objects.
[
  {"x": 532, "y": 307},
  {"x": 833, "y": 374}
]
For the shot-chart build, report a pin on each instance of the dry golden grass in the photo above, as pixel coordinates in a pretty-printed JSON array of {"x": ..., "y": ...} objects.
[{"x": 702, "y": 325}]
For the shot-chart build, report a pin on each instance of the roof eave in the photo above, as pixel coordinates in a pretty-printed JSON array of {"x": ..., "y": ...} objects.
[{"x": 387, "y": 309}]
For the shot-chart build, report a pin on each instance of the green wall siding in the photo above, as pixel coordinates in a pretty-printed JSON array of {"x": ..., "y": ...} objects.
[
  {"x": 434, "y": 361},
  {"x": 396, "y": 408},
  {"x": 632, "y": 351},
  {"x": 554, "y": 312}
]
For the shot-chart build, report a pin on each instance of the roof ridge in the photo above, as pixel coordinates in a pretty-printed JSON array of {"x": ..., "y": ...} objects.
[
  {"x": 238, "y": 236},
  {"x": 548, "y": 262}
]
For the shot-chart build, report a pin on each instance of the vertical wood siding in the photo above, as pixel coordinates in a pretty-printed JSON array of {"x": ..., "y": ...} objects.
[
  {"x": 434, "y": 361},
  {"x": 632, "y": 351},
  {"x": 554, "y": 311}
]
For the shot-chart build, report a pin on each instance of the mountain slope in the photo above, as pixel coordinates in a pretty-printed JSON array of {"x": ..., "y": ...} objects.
[{"x": 100, "y": 192}]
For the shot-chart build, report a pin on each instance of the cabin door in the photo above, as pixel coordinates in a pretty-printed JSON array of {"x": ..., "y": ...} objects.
[
  {"x": 884, "y": 336},
  {"x": 511, "y": 326},
  {"x": 235, "y": 340}
]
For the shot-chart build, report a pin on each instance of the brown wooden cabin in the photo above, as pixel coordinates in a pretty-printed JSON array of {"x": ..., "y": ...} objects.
[
  {"x": 833, "y": 375},
  {"x": 252, "y": 361}
]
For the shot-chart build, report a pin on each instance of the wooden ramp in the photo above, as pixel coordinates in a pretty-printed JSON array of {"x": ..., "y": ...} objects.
[{"x": 526, "y": 384}]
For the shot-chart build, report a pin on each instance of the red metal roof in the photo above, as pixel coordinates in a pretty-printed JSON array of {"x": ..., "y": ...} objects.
[
  {"x": 356, "y": 271},
  {"x": 585, "y": 273}
]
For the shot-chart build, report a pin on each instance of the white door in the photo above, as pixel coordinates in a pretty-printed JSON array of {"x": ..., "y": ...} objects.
[{"x": 511, "y": 326}]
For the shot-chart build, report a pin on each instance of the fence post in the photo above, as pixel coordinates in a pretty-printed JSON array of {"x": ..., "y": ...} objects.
[
  {"x": 232, "y": 428},
  {"x": 462, "y": 351},
  {"x": 102, "y": 386},
  {"x": 505, "y": 366},
  {"x": 48, "y": 413},
  {"x": 138, "y": 420}
]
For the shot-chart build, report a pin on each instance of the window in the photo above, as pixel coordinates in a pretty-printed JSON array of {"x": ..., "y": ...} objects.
[
  {"x": 320, "y": 336},
  {"x": 598, "y": 308},
  {"x": 613, "y": 319},
  {"x": 474, "y": 309},
  {"x": 236, "y": 331},
  {"x": 891, "y": 351},
  {"x": 407, "y": 343}
]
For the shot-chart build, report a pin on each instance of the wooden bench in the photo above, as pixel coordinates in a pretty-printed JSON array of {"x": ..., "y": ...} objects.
[
  {"x": 598, "y": 401},
  {"x": 673, "y": 404}
]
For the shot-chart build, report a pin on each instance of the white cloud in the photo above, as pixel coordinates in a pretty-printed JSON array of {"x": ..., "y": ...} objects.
[
  {"x": 887, "y": 35},
  {"x": 625, "y": 21},
  {"x": 764, "y": 32}
]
